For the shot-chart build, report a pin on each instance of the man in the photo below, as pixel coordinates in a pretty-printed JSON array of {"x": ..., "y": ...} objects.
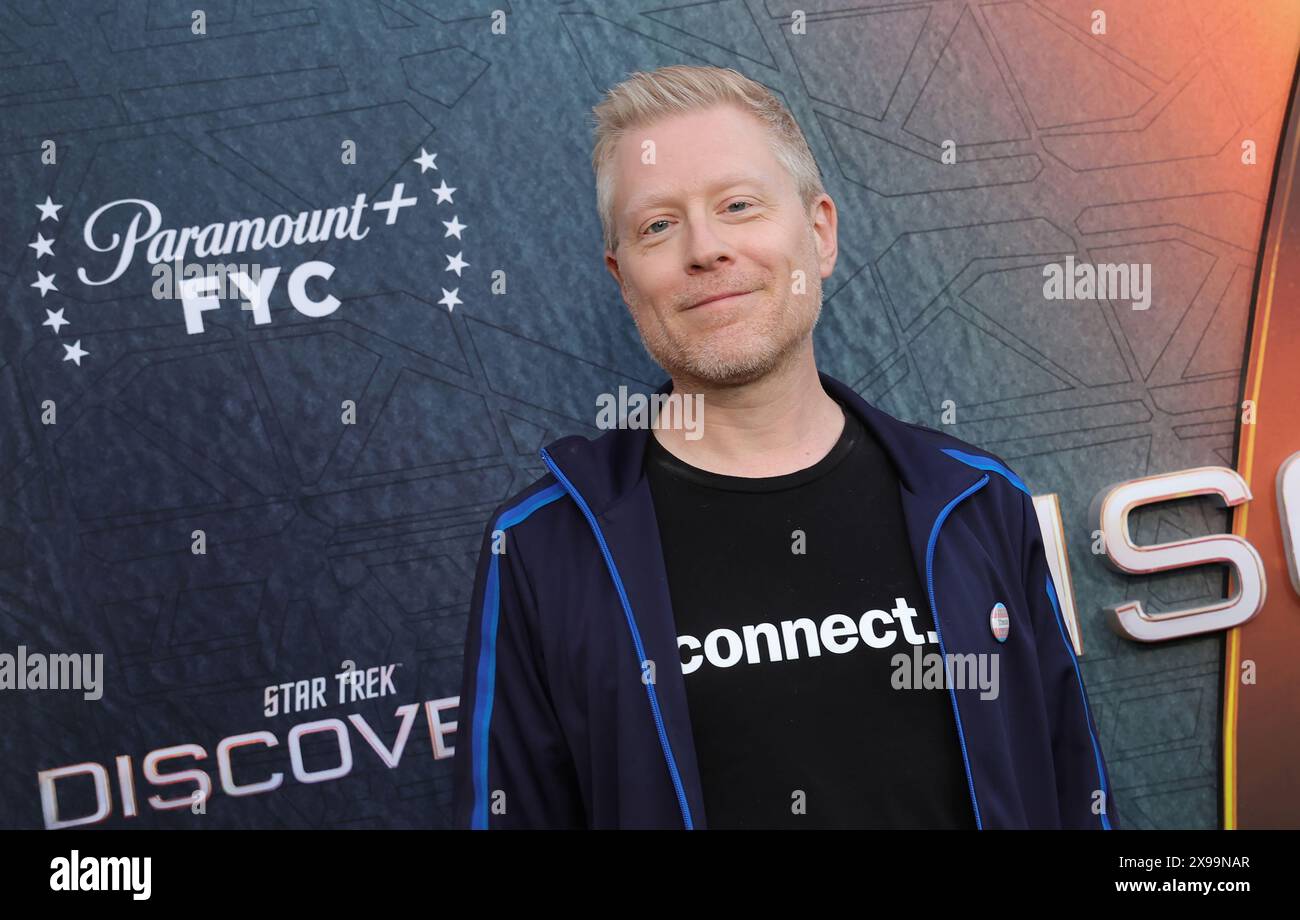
[{"x": 744, "y": 628}]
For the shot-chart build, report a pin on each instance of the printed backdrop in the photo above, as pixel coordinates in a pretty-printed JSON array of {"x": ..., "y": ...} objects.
[{"x": 278, "y": 509}]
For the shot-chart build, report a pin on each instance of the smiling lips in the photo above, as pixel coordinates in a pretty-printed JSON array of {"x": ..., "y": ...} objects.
[{"x": 716, "y": 297}]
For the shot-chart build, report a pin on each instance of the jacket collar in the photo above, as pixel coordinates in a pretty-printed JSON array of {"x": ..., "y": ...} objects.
[{"x": 608, "y": 469}]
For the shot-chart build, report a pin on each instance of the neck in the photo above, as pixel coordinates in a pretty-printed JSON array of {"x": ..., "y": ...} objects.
[{"x": 779, "y": 424}]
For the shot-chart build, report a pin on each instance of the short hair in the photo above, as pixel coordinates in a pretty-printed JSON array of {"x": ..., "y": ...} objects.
[{"x": 645, "y": 98}]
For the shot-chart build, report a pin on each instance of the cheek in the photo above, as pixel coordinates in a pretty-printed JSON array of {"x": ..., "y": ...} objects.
[
  {"x": 646, "y": 312},
  {"x": 655, "y": 301},
  {"x": 645, "y": 283}
]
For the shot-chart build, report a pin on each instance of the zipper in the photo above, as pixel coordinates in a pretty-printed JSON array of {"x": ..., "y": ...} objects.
[
  {"x": 934, "y": 612},
  {"x": 636, "y": 636}
]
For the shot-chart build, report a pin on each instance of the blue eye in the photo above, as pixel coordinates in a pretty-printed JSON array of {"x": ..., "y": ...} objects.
[{"x": 649, "y": 230}]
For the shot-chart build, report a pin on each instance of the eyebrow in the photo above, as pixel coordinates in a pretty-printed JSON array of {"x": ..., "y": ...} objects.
[{"x": 653, "y": 201}]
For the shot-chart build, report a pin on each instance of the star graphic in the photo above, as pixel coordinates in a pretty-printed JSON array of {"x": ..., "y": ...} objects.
[
  {"x": 443, "y": 193},
  {"x": 55, "y": 320},
  {"x": 454, "y": 226},
  {"x": 42, "y": 246},
  {"x": 450, "y": 299},
  {"x": 74, "y": 352},
  {"x": 44, "y": 282},
  {"x": 455, "y": 264},
  {"x": 49, "y": 209},
  {"x": 425, "y": 159}
]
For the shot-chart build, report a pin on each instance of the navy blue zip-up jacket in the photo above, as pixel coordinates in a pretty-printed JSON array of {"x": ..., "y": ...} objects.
[{"x": 573, "y": 707}]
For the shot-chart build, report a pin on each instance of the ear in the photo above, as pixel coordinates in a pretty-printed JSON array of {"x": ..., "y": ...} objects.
[
  {"x": 611, "y": 263},
  {"x": 825, "y": 221}
]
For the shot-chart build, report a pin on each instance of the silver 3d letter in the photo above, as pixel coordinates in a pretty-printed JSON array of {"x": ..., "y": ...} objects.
[{"x": 1110, "y": 510}]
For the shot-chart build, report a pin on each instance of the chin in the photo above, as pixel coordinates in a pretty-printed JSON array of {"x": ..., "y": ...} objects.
[
  {"x": 731, "y": 366},
  {"x": 735, "y": 352}
]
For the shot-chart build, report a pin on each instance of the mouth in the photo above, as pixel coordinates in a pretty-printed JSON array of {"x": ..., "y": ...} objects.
[{"x": 719, "y": 298}]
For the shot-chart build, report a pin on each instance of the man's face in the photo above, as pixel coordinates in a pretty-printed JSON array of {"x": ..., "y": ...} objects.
[{"x": 717, "y": 213}]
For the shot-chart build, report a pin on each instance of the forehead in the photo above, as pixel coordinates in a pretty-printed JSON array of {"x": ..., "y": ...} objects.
[{"x": 694, "y": 152}]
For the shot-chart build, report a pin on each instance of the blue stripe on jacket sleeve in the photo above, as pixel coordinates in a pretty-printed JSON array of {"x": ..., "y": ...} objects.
[
  {"x": 485, "y": 677},
  {"x": 1087, "y": 716},
  {"x": 988, "y": 464}
]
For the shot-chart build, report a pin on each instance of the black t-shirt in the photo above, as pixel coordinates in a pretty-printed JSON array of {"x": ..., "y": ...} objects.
[{"x": 791, "y": 596}]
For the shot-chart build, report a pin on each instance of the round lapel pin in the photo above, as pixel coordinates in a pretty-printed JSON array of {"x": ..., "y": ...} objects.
[{"x": 1000, "y": 622}]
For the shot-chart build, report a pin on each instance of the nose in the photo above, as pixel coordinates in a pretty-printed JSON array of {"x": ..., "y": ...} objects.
[{"x": 705, "y": 248}]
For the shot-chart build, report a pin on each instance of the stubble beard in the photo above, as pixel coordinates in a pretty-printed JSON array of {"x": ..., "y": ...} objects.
[{"x": 721, "y": 357}]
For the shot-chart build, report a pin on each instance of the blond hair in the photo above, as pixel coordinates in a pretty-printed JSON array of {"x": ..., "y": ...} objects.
[{"x": 644, "y": 98}]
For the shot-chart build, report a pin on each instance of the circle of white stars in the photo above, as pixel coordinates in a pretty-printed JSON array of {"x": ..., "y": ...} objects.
[{"x": 44, "y": 246}]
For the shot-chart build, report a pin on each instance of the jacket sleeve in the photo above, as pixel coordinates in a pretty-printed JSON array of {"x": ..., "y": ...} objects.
[
  {"x": 512, "y": 767},
  {"x": 1082, "y": 782}
]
